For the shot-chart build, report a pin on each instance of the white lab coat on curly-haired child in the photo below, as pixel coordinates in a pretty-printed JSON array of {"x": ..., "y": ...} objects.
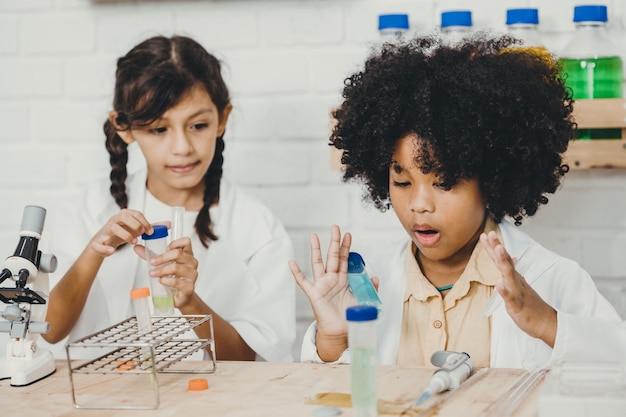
[{"x": 588, "y": 326}]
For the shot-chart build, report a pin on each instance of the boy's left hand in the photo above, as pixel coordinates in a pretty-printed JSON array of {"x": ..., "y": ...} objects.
[{"x": 527, "y": 309}]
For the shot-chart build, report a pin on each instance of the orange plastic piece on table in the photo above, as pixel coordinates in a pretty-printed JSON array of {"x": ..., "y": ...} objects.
[
  {"x": 125, "y": 365},
  {"x": 199, "y": 384}
]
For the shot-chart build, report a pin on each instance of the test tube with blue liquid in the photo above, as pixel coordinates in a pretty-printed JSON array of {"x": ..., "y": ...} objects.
[{"x": 360, "y": 283}]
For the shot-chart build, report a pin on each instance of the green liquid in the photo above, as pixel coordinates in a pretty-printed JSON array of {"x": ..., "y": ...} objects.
[
  {"x": 163, "y": 306},
  {"x": 594, "y": 78},
  {"x": 363, "y": 369}
]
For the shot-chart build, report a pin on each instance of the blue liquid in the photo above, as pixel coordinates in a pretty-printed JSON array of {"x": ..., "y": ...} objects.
[
  {"x": 363, "y": 369},
  {"x": 363, "y": 289}
]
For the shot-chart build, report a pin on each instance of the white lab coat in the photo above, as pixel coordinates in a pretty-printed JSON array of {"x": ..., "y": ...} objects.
[
  {"x": 243, "y": 276},
  {"x": 588, "y": 326}
]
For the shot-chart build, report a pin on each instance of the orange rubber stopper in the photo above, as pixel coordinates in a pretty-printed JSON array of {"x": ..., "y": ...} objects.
[
  {"x": 199, "y": 384},
  {"x": 142, "y": 292}
]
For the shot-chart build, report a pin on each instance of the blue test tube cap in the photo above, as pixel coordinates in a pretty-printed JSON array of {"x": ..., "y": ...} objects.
[
  {"x": 356, "y": 264},
  {"x": 361, "y": 313},
  {"x": 523, "y": 16},
  {"x": 159, "y": 232},
  {"x": 393, "y": 21},
  {"x": 456, "y": 18},
  {"x": 590, "y": 13}
]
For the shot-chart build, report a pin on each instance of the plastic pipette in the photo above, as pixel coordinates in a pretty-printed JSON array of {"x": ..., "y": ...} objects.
[{"x": 457, "y": 367}]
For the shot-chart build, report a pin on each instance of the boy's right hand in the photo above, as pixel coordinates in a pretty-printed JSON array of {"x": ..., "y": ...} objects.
[
  {"x": 124, "y": 227},
  {"x": 328, "y": 293}
]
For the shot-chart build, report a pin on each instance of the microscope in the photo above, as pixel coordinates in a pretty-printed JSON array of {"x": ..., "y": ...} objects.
[{"x": 28, "y": 268}]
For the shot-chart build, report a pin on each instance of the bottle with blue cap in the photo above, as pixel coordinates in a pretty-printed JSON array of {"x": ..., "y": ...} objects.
[
  {"x": 456, "y": 25},
  {"x": 393, "y": 26},
  {"x": 591, "y": 64},
  {"x": 524, "y": 24},
  {"x": 362, "y": 337},
  {"x": 360, "y": 283},
  {"x": 162, "y": 295}
]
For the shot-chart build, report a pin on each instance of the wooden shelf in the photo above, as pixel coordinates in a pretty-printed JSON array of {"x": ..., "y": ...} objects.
[
  {"x": 585, "y": 154},
  {"x": 581, "y": 154},
  {"x": 598, "y": 153}
]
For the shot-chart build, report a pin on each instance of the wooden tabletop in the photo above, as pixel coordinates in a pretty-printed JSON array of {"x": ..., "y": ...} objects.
[{"x": 262, "y": 389}]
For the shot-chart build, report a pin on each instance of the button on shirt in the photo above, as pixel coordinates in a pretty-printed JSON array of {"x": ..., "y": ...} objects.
[{"x": 431, "y": 322}]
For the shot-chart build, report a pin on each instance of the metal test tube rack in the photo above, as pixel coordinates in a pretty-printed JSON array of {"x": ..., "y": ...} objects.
[{"x": 121, "y": 351}]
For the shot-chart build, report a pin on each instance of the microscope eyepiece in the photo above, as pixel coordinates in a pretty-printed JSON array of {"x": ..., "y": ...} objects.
[{"x": 33, "y": 220}]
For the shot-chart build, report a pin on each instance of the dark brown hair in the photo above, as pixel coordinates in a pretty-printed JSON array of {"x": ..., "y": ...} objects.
[
  {"x": 151, "y": 78},
  {"x": 484, "y": 108}
]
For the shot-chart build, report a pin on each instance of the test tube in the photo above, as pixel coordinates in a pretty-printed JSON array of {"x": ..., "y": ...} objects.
[
  {"x": 178, "y": 214},
  {"x": 162, "y": 295},
  {"x": 144, "y": 325},
  {"x": 142, "y": 308}
]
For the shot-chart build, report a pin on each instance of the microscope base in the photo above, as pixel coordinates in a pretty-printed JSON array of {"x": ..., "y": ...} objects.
[{"x": 26, "y": 370}]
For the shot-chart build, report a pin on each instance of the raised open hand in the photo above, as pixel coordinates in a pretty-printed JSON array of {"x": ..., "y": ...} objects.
[
  {"x": 527, "y": 309},
  {"x": 328, "y": 293}
]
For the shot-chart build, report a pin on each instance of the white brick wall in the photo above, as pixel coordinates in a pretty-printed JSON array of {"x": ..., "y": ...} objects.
[{"x": 285, "y": 61}]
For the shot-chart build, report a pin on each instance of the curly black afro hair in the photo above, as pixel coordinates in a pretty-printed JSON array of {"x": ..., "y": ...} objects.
[{"x": 484, "y": 108}]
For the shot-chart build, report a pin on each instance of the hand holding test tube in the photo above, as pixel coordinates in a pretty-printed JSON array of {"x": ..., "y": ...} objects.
[{"x": 156, "y": 244}]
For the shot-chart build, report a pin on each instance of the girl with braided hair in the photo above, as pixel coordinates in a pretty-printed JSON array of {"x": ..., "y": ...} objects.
[{"x": 170, "y": 99}]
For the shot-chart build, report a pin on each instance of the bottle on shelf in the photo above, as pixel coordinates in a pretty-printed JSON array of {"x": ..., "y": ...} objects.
[
  {"x": 591, "y": 64},
  {"x": 456, "y": 24},
  {"x": 393, "y": 26},
  {"x": 524, "y": 24}
]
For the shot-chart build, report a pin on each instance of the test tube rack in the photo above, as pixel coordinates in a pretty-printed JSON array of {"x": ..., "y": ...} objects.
[{"x": 120, "y": 352}]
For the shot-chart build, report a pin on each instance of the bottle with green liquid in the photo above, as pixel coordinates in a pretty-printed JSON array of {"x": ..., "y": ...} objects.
[{"x": 591, "y": 64}]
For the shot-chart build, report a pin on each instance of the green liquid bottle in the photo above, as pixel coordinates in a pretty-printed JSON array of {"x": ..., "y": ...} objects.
[{"x": 591, "y": 65}]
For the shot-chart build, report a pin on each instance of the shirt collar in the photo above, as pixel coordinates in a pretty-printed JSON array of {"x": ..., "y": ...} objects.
[{"x": 480, "y": 268}]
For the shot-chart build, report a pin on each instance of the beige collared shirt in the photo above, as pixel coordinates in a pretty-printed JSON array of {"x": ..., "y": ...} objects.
[{"x": 431, "y": 322}]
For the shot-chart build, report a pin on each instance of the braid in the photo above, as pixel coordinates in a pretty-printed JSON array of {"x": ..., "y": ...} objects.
[
  {"x": 118, "y": 157},
  {"x": 212, "y": 180}
]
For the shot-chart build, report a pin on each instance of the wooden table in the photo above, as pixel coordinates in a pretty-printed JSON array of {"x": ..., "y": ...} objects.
[{"x": 264, "y": 389}]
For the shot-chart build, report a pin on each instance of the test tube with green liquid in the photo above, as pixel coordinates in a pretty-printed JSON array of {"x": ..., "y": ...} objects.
[{"x": 162, "y": 295}]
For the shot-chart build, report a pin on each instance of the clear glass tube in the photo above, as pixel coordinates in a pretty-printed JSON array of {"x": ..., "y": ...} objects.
[
  {"x": 178, "y": 216},
  {"x": 142, "y": 308}
]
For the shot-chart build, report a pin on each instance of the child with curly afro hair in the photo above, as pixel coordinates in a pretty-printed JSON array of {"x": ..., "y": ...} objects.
[{"x": 455, "y": 139}]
